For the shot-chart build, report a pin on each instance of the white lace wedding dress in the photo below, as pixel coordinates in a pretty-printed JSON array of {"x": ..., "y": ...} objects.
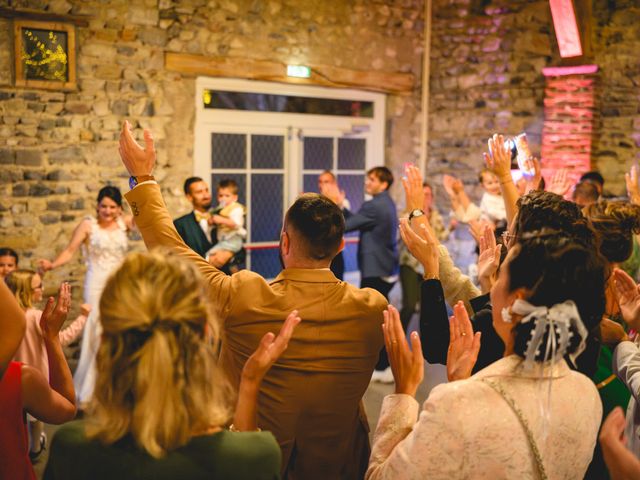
[{"x": 103, "y": 251}]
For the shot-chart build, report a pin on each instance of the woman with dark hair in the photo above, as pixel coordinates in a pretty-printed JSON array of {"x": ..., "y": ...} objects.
[
  {"x": 515, "y": 418},
  {"x": 104, "y": 244},
  {"x": 615, "y": 223}
]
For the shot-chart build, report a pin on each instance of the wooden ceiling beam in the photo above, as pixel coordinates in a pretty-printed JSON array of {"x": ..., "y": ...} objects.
[{"x": 323, "y": 75}]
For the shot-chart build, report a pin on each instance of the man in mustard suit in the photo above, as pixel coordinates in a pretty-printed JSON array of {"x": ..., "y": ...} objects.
[{"x": 311, "y": 397}]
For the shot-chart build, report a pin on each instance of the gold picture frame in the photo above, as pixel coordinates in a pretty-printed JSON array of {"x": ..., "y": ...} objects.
[{"x": 44, "y": 54}]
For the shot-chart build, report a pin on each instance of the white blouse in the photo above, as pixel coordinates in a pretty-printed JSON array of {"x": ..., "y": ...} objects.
[{"x": 467, "y": 430}]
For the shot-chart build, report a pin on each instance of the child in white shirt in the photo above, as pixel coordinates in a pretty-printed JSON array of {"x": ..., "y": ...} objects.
[{"x": 229, "y": 221}]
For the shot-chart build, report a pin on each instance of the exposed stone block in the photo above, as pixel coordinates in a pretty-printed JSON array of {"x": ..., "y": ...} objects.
[
  {"x": 58, "y": 175},
  {"x": 39, "y": 190},
  {"x": 153, "y": 36},
  {"x": 20, "y": 190},
  {"x": 120, "y": 107},
  {"x": 66, "y": 155},
  {"x": 29, "y": 157},
  {"x": 49, "y": 218},
  {"x": 7, "y": 156},
  {"x": 34, "y": 175},
  {"x": 57, "y": 205},
  {"x": 77, "y": 107}
]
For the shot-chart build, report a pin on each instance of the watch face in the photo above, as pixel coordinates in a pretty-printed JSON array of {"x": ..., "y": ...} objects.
[{"x": 132, "y": 182}]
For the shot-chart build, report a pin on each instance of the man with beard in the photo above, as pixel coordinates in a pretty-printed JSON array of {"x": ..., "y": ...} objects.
[
  {"x": 311, "y": 398},
  {"x": 194, "y": 227}
]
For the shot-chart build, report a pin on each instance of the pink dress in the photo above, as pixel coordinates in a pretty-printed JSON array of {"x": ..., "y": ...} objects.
[{"x": 32, "y": 350}]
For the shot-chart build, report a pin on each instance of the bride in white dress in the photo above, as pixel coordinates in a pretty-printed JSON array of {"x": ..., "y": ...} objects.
[{"x": 104, "y": 245}]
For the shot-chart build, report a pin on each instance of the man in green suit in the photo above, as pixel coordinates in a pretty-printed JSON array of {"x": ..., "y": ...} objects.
[{"x": 194, "y": 227}]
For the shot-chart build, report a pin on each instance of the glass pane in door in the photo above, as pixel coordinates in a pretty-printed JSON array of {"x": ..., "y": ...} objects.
[{"x": 228, "y": 150}]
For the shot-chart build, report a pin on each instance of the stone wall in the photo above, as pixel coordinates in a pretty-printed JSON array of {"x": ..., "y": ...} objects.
[
  {"x": 616, "y": 46},
  {"x": 57, "y": 149},
  {"x": 486, "y": 76}
]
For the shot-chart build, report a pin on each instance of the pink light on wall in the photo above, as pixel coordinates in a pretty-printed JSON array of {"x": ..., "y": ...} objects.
[
  {"x": 570, "y": 117},
  {"x": 564, "y": 22}
]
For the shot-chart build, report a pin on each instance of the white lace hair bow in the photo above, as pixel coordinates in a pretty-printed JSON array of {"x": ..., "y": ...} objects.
[{"x": 559, "y": 318}]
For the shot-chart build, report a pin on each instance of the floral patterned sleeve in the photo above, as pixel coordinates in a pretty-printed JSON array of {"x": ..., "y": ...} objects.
[{"x": 432, "y": 447}]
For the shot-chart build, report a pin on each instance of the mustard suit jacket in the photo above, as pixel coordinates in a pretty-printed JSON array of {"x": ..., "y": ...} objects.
[{"x": 311, "y": 397}]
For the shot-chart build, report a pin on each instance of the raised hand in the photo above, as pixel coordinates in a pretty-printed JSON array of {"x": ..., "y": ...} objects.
[
  {"x": 269, "y": 350},
  {"x": 622, "y": 464},
  {"x": 452, "y": 185},
  {"x": 333, "y": 193},
  {"x": 499, "y": 160},
  {"x": 611, "y": 333},
  {"x": 413, "y": 189},
  {"x": 489, "y": 258},
  {"x": 137, "y": 160},
  {"x": 464, "y": 345},
  {"x": 407, "y": 365},
  {"x": 424, "y": 248},
  {"x": 85, "y": 309},
  {"x": 628, "y": 297},
  {"x": 560, "y": 183},
  {"x": 633, "y": 190},
  {"x": 53, "y": 316},
  {"x": 44, "y": 265},
  {"x": 533, "y": 182}
]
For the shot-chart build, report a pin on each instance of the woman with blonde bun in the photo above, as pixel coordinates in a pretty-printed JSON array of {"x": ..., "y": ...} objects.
[{"x": 161, "y": 403}]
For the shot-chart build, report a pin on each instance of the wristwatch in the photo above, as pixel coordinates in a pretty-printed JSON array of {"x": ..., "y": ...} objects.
[
  {"x": 133, "y": 181},
  {"x": 415, "y": 213}
]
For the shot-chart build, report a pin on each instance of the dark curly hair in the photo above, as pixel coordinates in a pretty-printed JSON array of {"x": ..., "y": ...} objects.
[
  {"x": 546, "y": 210},
  {"x": 553, "y": 268},
  {"x": 614, "y": 222}
]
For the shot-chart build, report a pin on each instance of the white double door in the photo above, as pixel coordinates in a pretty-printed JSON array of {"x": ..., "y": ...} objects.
[{"x": 273, "y": 157}]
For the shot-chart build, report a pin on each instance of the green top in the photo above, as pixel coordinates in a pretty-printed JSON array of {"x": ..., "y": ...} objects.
[{"x": 221, "y": 455}]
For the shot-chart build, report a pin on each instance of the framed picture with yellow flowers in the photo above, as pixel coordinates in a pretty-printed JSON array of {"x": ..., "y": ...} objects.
[{"x": 45, "y": 54}]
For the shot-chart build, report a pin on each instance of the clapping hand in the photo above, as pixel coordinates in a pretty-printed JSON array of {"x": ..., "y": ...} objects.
[
  {"x": 138, "y": 161},
  {"x": 452, "y": 185},
  {"x": 533, "y": 182},
  {"x": 499, "y": 161},
  {"x": 333, "y": 193},
  {"x": 407, "y": 365},
  {"x": 464, "y": 345},
  {"x": 489, "y": 258},
  {"x": 560, "y": 183},
  {"x": 413, "y": 189},
  {"x": 53, "y": 316},
  {"x": 424, "y": 247},
  {"x": 85, "y": 309},
  {"x": 269, "y": 350},
  {"x": 44, "y": 265},
  {"x": 611, "y": 333},
  {"x": 621, "y": 462},
  {"x": 628, "y": 297},
  {"x": 633, "y": 190}
]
